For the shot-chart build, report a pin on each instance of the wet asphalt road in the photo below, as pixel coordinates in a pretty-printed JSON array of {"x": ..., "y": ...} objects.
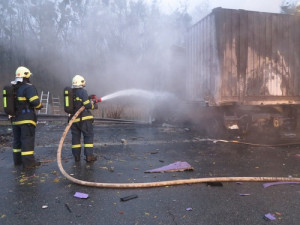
[{"x": 44, "y": 196}]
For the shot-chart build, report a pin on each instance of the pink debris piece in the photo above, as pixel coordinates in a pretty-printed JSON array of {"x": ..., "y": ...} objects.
[
  {"x": 270, "y": 216},
  {"x": 174, "y": 167},
  {"x": 277, "y": 183},
  {"x": 81, "y": 195}
]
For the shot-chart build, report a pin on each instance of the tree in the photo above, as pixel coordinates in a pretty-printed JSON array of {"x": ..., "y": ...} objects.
[
  {"x": 290, "y": 7},
  {"x": 115, "y": 44}
]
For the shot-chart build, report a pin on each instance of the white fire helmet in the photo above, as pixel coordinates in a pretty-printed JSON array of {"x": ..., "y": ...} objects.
[
  {"x": 22, "y": 72},
  {"x": 78, "y": 81}
]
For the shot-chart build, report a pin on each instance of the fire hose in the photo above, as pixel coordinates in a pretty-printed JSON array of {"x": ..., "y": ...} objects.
[{"x": 159, "y": 183}]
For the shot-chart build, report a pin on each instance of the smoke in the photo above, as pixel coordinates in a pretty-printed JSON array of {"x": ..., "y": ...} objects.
[
  {"x": 198, "y": 9},
  {"x": 114, "y": 45},
  {"x": 252, "y": 5},
  {"x": 121, "y": 47}
]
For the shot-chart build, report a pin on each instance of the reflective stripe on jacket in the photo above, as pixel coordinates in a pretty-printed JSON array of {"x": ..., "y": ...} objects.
[
  {"x": 81, "y": 99},
  {"x": 26, "y": 103}
]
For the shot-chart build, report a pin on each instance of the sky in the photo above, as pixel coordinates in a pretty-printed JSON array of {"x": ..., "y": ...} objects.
[{"x": 253, "y": 5}]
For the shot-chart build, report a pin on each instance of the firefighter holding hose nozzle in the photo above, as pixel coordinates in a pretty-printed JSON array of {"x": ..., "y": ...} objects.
[
  {"x": 74, "y": 99},
  {"x": 20, "y": 102}
]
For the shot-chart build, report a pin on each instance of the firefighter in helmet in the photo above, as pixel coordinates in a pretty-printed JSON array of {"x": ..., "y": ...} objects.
[
  {"x": 83, "y": 124},
  {"x": 24, "y": 121}
]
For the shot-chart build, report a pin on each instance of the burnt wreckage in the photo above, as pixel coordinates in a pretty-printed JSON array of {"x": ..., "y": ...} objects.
[{"x": 245, "y": 66}]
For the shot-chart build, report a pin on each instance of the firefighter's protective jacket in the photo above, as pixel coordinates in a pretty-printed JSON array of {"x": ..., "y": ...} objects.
[
  {"x": 27, "y": 100},
  {"x": 81, "y": 99}
]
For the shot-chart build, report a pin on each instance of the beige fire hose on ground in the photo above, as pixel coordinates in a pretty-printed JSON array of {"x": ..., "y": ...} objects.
[{"x": 160, "y": 183}]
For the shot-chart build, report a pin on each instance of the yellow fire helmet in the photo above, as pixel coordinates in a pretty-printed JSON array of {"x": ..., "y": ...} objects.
[
  {"x": 22, "y": 72},
  {"x": 78, "y": 81}
]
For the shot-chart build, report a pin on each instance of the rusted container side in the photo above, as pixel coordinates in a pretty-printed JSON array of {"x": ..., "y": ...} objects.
[{"x": 244, "y": 57}]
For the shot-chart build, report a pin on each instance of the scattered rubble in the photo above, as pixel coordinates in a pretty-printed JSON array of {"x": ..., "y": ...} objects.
[
  {"x": 124, "y": 141},
  {"x": 269, "y": 216},
  {"x": 123, "y": 199},
  {"x": 174, "y": 167},
  {"x": 81, "y": 195},
  {"x": 277, "y": 183}
]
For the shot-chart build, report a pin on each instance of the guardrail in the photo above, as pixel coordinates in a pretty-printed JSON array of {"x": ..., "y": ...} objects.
[{"x": 46, "y": 117}]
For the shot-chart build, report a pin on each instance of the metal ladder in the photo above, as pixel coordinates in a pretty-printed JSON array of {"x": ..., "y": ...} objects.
[
  {"x": 56, "y": 105},
  {"x": 44, "y": 101}
]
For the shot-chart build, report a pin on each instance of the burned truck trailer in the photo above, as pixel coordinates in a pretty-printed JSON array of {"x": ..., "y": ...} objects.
[{"x": 245, "y": 67}]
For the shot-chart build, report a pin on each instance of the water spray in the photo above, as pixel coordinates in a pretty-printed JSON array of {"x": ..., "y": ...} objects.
[
  {"x": 149, "y": 95},
  {"x": 153, "y": 184}
]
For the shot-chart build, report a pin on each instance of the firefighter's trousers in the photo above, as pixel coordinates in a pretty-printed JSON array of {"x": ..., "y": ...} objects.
[
  {"x": 86, "y": 128},
  {"x": 23, "y": 144}
]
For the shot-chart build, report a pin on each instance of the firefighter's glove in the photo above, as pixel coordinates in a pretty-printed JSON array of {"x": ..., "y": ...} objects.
[{"x": 93, "y": 98}]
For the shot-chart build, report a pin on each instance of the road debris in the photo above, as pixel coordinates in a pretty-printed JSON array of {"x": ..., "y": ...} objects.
[
  {"x": 244, "y": 194},
  {"x": 174, "y": 167},
  {"x": 154, "y": 152},
  {"x": 128, "y": 198},
  {"x": 81, "y": 195},
  {"x": 269, "y": 216},
  {"x": 124, "y": 141},
  {"x": 68, "y": 208},
  {"x": 277, "y": 183}
]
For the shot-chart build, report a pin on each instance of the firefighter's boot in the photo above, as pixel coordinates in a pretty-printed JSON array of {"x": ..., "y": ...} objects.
[
  {"x": 29, "y": 162},
  {"x": 17, "y": 159},
  {"x": 76, "y": 153},
  {"x": 91, "y": 158},
  {"x": 32, "y": 165}
]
